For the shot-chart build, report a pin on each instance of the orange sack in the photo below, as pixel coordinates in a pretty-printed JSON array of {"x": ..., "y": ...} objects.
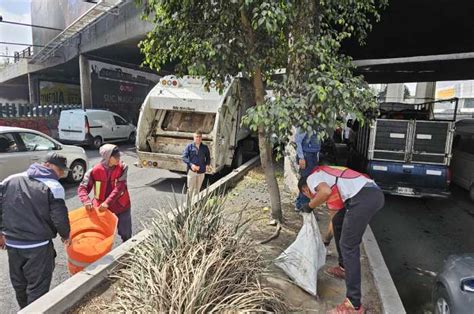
[{"x": 92, "y": 236}]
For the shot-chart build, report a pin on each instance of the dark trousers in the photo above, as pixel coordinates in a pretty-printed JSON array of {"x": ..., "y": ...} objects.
[
  {"x": 349, "y": 226},
  {"x": 337, "y": 221},
  {"x": 312, "y": 160},
  {"x": 31, "y": 271},
  {"x": 125, "y": 224}
]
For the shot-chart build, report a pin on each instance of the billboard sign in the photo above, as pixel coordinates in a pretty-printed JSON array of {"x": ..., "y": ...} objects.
[{"x": 59, "y": 93}]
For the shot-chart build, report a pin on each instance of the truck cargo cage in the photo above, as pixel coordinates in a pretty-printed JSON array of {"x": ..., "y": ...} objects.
[{"x": 411, "y": 141}]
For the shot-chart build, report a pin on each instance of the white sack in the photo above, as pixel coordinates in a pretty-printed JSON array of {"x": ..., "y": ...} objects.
[{"x": 304, "y": 257}]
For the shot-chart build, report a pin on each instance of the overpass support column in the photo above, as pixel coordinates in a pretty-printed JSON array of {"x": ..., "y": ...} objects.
[
  {"x": 33, "y": 89},
  {"x": 85, "y": 80},
  {"x": 395, "y": 92},
  {"x": 425, "y": 91}
]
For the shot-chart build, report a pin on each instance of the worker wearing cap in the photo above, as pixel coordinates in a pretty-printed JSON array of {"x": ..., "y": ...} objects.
[
  {"x": 108, "y": 179},
  {"x": 358, "y": 198},
  {"x": 32, "y": 213}
]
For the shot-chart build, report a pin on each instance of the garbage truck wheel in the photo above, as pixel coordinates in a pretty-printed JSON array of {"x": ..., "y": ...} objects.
[{"x": 238, "y": 159}]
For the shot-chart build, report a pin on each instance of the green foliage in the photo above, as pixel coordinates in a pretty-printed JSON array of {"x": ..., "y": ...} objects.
[{"x": 217, "y": 38}]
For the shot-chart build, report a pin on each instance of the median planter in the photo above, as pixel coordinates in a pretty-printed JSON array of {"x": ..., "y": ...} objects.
[
  {"x": 247, "y": 202},
  {"x": 245, "y": 207}
]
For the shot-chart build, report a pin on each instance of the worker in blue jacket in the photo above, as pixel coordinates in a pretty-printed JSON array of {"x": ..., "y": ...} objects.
[{"x": 307, "y": 157}]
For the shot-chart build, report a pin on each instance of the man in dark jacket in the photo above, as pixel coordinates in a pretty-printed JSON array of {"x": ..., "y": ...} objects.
[
  {"x": 32, "y": 213},
  {"x": 197, "y": 158}
]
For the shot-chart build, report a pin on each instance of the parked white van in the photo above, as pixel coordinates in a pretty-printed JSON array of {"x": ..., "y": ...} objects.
[
  {"x": 462, "y": 163},
  {"x": 94, "y": 127}
]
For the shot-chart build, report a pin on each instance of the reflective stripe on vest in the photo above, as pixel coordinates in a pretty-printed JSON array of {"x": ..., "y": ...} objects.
[{"x": 97, "y": 189}]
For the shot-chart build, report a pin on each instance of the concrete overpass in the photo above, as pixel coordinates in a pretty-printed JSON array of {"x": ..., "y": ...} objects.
[
  {"x": 419, "y": 41},
  {"x": 415, "y": 41}
]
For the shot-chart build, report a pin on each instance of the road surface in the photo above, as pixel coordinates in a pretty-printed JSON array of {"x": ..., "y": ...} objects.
[{"x": 417, "y": 235}]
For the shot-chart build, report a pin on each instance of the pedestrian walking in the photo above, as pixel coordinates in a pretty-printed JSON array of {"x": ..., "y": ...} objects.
[
  {"x": 359, "y": 198},
  {"x": 32, "y": 213},
  {"x": 108, "y": 179},
  {"x": 197, "y": 158},
  {"x": 307, "y": 157}
]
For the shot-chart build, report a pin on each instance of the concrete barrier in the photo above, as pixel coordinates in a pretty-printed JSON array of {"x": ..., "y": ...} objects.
[
  {"x": 391, "y": 302},
  {"x": 70, "y": 292}
]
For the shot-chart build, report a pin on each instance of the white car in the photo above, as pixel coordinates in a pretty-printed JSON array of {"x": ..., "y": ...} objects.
[
  {"x": 19, "y": 148},
  {"x": 94, "y": 127}
]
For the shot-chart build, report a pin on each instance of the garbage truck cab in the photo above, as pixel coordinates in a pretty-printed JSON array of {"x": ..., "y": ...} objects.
[{"x": 176, "y": 107}]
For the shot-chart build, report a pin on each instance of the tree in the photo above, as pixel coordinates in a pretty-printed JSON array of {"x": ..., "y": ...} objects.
[{"x": 218, "y": 38}]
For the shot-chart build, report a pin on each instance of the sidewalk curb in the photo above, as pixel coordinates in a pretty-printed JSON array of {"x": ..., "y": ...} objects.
[
  {"x": 389, "y": 297},
  {"x": 70, "y": 292}
]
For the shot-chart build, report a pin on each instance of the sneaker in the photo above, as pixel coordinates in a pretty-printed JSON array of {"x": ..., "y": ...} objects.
[
  {"x": 346, "y": 307},
  {"x": 336, "y": 272}
]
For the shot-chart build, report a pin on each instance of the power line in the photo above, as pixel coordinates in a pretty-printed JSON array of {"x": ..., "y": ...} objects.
[
  {"x": 30, "y": 25},
  {"x": 19, "y": 44},
  {"x": 20, "y": 56}
]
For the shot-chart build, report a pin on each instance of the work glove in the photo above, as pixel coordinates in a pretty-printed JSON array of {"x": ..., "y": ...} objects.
[{"x": 306, "y": 209}]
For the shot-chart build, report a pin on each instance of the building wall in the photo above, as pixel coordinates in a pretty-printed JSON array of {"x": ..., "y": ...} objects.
[{"x": 14, "y": 93}]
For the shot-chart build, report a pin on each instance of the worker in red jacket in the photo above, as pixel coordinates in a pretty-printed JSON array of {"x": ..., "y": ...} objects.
[{"x": 108, "y": 179}]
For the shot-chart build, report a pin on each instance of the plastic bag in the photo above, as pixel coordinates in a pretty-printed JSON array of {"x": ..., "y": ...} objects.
[{"x": 304, "y": 257}]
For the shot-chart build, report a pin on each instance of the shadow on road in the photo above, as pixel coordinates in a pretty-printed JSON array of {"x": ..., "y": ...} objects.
[{"x": 170, "y": 185}]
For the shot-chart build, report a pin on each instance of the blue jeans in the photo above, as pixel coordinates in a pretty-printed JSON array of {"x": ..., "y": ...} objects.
[{"x": 312, "y": 160}]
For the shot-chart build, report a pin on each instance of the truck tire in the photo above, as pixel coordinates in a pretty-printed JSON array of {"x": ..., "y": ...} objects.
[
  {"x": 238, "y": 159},
  {"x": 97, "y": 142},
  {"x": 77, "y": 172},
  {"x": 471, "y": 192}
]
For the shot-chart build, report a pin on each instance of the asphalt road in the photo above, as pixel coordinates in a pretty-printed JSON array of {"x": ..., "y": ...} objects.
[
  {"x": 149, "y": 189},
  {"x": 417, "y": 235}
]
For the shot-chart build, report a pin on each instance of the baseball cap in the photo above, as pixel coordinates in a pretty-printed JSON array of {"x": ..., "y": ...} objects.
[{"x": 57, "y": 160}]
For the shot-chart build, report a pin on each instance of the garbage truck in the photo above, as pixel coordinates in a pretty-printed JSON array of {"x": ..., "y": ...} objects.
[{"x": 176, "y": 107}]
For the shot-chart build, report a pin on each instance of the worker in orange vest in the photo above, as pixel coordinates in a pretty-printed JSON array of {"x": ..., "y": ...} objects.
[
  {"x": 108, "y": 179},
  {"x": 358, "y": 198}
]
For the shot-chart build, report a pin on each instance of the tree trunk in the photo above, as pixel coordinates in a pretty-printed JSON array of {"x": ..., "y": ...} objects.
[
  {"x": 263, "y": 143},
  {"x": 266, "y": 157}
]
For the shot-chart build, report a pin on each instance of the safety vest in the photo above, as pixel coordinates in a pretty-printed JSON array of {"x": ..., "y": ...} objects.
[
  {"x": 335, "y": 201},
  {"x": 101, "y": 182}
]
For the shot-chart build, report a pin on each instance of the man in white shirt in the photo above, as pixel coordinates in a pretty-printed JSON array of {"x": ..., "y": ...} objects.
[{"x": 361, "y": 198}]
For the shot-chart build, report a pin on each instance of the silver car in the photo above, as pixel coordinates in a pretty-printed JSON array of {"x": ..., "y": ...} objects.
[
  {"x": 19, "y": 148},
  {"x": 454, "y": 286}
]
